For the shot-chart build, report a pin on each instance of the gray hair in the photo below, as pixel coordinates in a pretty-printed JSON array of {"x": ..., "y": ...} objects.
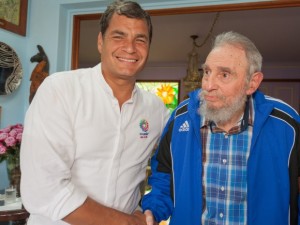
[
  {"x": 129, "y": 9},
  {"x": 252, "y": 54}
]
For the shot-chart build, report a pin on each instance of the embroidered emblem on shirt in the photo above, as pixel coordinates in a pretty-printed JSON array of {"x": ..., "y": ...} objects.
[
  {"x": 184, "y": 127},
  {"x": 144, "y": 125}
]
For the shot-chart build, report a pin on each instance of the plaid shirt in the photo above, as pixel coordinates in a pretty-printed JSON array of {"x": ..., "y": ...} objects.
[{"x": 224, "y": 177}]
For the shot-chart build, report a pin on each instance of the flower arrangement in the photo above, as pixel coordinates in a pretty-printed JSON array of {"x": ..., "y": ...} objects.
[{"x": 10, "y": 142}]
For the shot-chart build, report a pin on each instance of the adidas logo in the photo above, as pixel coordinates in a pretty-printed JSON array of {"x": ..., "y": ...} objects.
[{"x": 184, "y": 127}]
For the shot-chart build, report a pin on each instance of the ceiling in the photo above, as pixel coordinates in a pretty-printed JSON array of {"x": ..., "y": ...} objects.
[{"x": 276, "y": 33}]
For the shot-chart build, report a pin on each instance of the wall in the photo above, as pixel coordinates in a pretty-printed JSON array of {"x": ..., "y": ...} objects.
[
  {"x": 49, "y": 24},
  {"x": 14, "y": 104}
]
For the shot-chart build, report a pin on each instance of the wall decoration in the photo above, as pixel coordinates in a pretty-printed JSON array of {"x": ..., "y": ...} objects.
[
  {"x": 13, "y": 15},
  {"x": 40, "y": 72},
  {"x": 11, "y": 71},
  {"x": 167, "y": 90}
]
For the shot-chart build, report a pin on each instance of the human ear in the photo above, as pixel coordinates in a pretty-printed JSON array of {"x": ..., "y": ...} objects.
[
  {"x": 254, "y": 83},
  {"x": 100, "y": 42}
]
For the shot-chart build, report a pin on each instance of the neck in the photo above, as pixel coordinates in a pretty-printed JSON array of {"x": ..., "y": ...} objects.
[
  {"x": 122, "y": 95},
  {"x": 122, "y": 89}
]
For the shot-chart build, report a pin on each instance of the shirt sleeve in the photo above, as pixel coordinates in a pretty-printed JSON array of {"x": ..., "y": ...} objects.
[{"x": 47, "y": 155}]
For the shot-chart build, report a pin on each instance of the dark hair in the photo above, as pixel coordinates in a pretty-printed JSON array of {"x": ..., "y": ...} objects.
[{"x": 129, "y": 9}]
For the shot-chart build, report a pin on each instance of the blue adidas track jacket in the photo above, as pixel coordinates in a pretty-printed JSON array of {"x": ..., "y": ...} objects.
[{"x": 272, "y": 170}]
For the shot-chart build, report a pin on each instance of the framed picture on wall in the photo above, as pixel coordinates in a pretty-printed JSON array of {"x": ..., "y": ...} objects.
[
  {"x": 167, "y": 90},
  {"x": 13, "y": 16}
]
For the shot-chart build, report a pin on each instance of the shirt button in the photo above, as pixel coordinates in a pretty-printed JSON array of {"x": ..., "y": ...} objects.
[
  {"x": 224, "y": 161},
  {"x": 221, "y": 215},
  {"x": 222, "y": 188}
]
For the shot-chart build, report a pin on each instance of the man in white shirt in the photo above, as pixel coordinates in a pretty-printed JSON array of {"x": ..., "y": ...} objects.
[{"x": 89, "y": 133}]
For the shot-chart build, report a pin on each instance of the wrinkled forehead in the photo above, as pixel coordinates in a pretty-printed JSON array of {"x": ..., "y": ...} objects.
[{"x": 227, "y": 55}]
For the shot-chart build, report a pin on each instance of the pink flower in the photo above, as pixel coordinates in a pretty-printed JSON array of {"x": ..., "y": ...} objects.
[
  {"x": 10, "y": 141},
  {"x": 3, "y": 136},
  {"x": 2, "y": 149},
  {"x": 18, "y": 129},
  {"x": 19, "y": 137},
  {"x": 18, "y": 125},
  {"x": 6, "y": 129},
  {"x": 13, "y": 133}
]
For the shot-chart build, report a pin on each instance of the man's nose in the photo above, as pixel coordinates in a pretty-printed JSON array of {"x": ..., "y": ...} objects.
[
  {"x": 209, "y": 82},
  {"x": 129, "y": 46}
]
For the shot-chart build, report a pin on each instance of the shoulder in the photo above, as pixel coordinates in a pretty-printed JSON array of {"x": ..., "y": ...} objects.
[
  {"x": 149, "y": 98},
  {"x": 191, "y": 104},
  {"x": 278, "y": 105},
  {"x": 72, "y": 75},
  {"x": 182, "y": 108},
  {"x": 69, "y": 80},
  {"x": 151, "y": 102},
  {"x": 67, "y": 86}
]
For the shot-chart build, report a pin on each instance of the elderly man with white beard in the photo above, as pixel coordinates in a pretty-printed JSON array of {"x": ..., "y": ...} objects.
[{"x": 229, "y": 155}]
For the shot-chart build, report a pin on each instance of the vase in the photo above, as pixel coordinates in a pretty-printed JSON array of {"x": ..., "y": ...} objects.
[{"x": 14, "y": 173}]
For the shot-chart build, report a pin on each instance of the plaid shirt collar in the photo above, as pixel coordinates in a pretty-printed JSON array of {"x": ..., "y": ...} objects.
[{"x": 246, "y": 120}]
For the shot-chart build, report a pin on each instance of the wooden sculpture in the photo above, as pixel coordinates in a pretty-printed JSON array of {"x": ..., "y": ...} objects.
[{"x": 40, "y": 72}]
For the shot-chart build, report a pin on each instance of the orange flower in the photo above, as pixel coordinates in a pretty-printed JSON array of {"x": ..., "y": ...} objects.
[{"x": 166, "y": 93}]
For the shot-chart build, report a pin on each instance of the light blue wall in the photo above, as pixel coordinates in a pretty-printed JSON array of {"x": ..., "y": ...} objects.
[{"x": 49, "y": 24}]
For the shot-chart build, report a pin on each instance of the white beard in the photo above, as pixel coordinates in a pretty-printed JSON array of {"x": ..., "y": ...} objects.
[{"x": 221, "y": 115}]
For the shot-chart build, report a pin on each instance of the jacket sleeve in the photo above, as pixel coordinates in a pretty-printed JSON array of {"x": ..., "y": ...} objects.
[{"x": 159, "y": 200}]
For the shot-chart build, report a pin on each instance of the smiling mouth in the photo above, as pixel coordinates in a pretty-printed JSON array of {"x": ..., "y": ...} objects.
[{"x": 127, "y": 60}]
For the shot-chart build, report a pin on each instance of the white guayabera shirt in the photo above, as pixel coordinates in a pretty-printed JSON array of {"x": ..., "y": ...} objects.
[{"x": 77, "y": 143}]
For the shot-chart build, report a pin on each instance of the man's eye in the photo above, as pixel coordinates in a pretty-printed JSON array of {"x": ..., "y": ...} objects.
[
  {"x": 141, "y": 40},
  {"x": 117, "y": 37},
  {"x": 226, "y": 75},
  {"x": 206, "y": 72}
]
